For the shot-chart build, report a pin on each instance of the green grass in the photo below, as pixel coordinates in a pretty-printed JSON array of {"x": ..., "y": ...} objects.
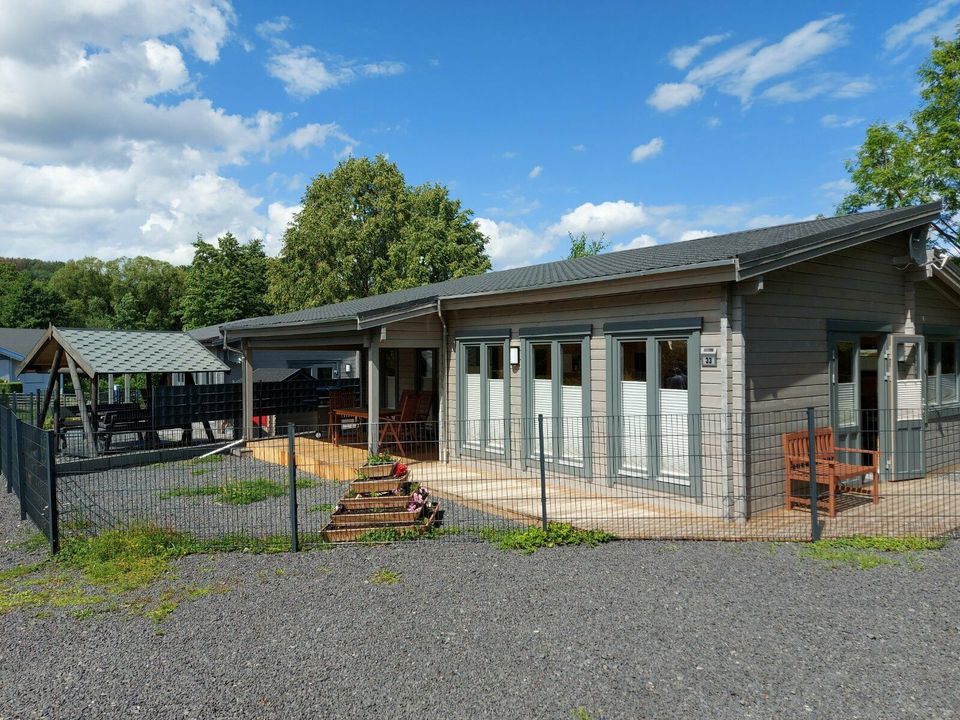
[
  {"x": 533, "y": 538},
  {"x": 322, "y": 507},
  {"x": 869, "y": 552},
  {"x": 209, "y": 460},
  {"x": 383, "y": 576},
  {"x": 239, "y": 492},
  {"x": 37, "y": 541}
]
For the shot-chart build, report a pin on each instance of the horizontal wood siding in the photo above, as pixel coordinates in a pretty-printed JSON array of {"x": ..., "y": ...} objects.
[
  {"x": 659, "y": 305},
  {"x": 787, "y": 355}
]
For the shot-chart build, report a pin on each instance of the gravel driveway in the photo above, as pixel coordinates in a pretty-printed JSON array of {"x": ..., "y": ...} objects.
[{"x": 627, "y": 630}]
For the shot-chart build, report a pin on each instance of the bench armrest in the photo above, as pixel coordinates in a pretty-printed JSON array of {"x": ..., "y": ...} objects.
[{"x": 858, "y": 450}]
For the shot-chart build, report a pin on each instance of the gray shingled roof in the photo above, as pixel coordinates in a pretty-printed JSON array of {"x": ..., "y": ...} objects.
[
  {"x": 124, "y": 351},
  {"x": 205, "y": 334},
  {"x": 729, "y": 248},
  {"x": 19, "y": 340}
]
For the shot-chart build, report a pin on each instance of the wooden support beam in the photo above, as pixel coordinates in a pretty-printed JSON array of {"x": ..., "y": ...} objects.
[
  {"x": 373, "y": 393},
  {"x": 247, "y": 391},
  {"x": 82, "y": 406},
  {"x": 52, "y": 382}
]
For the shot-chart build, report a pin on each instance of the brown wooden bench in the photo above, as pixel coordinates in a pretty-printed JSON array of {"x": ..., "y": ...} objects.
[{"x": 832, "y": 474}]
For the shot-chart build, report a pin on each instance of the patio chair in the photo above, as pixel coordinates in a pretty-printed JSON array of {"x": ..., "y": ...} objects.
[
  {"x": 399, "y": 429},
  {"x": 338, "y": 399},
  {"x": 833, "y": 474}
]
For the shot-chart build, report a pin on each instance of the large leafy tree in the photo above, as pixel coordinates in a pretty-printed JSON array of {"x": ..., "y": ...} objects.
[
  {"x": 918, "y": 160},
  {"x": 225, "y": 282},
  {"x": 364, "y": 231},
  {"x": 138, "y": 293}
]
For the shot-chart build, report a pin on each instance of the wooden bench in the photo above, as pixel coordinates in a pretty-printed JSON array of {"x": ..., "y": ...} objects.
[{"x": 832, "y": 473}]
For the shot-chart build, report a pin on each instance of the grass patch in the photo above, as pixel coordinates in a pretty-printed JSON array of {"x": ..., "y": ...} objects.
[
  {"x": 239, "y": 492},
  {"x": 868, "y": 552},
  {"x": 322, "y": 507},
  {"x": 37, "y": 541},
  {"x": 383, "y": 576},
  {"x": 534, "y": 538},
  {"x": 209, "y": 460}
]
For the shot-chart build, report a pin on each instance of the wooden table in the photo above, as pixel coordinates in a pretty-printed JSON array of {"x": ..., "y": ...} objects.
[{"x": 357, "y": 413}]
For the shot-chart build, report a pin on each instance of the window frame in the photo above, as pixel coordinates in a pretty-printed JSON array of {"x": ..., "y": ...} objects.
[
  {"x": 556, "y": 337},
  {"x": 652, "y": 333},
  {"x": 936, "y": 343},
  {"x": 483, "y": 341}
]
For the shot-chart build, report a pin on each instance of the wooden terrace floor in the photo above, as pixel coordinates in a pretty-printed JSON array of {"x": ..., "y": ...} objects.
[{"x": 926, "y": 507}]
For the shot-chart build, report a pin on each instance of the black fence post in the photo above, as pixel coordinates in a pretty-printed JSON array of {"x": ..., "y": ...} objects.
[
  {"x": 811, "y": 441},
  {"x": 543, "y": 474},
  {"x": 18, "y": 465},
  {"x": 292, "y": 481},
  {"x": 50, "y": 453}
]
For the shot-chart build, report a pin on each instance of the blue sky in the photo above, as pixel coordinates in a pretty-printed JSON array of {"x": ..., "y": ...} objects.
[{"x": 128, "y": 128}]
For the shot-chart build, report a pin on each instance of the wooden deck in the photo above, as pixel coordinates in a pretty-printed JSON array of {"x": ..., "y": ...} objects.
[{"x": 925, "y": 507}]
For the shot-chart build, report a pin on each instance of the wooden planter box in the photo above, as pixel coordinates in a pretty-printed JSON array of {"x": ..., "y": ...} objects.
[
  {"x": 386, "y": 484},
  {"x": 377, "y": 471},
  {"x": 333, "y": 533},
  {"x": 393, "y": 517},
  {"x": 386, "y": 501}
]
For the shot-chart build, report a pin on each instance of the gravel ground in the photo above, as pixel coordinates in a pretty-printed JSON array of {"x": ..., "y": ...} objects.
[
  {"x": 626, "y": 630},
  {"x": 155, "y": 494}
]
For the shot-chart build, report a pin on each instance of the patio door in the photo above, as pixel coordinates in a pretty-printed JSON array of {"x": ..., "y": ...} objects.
[
  {"x": 557, "y": 389},
  {"x": 855, "y": 389},
  {"x": 484, "y": 398},
  {"x": 902, "y": 434}
]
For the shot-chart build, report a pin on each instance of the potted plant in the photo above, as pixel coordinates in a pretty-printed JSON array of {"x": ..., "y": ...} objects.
[{"x": 378, "y": 465}]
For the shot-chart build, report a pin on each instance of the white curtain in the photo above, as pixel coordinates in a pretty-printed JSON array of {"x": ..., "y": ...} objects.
[
  {"x": 674, "y": 437},
  {"x": 495, "y": 415},
  {"x": 471, "y": 431},
  {"x": 633, "y": 399},
  {"x": 571, "y": 397},
  {"x": 543, "y": 405}
]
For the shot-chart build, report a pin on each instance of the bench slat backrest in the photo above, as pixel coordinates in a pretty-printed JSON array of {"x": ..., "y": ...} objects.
[{"x": 797, "y": 444}]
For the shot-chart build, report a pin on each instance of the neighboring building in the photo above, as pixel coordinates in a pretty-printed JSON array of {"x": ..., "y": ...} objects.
[
  {"x": 15, "y": 343},
  {"x": 675, "y": 352}
]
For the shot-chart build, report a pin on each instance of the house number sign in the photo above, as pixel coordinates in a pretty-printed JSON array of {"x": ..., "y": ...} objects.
[{"x": 708, "y": 357}]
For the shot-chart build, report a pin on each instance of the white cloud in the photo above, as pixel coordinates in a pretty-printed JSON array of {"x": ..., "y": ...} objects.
[
  {"x": 854, "y": 88},
  {"x": 513, "y": 245},
  {"x": 836, "y": 190},
  {"x": 839, "y": 121},
  {"x": 681, "y": 57},
  {"x": 833, "y": 85},
  {"x": 935, "y": 19},
  {"x": 641, "y": 241},
  {"x": 535, "y": 171},
  {"x": 741, "y": 70},
  {"x": 670, "y": 96},
  {"x": 579, "y": 147},
  {"x": 279, "y": 217},
  {"x": 646, "y": 151},
  {"x": 608, "y": 218},
  {"x": 302, "y": 70},
  {"x": 108, "y": 147},
  {"x": 695, "y": 234},
  {"x": 712, "y": 121}
]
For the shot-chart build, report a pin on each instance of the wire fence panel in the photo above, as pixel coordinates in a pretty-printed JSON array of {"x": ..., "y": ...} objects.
[
  {"x": 679, "y": 476},
  {"x": 28, "y": 464}
]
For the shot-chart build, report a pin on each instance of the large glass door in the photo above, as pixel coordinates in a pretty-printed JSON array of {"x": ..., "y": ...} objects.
[
  {"x": 484, "y": 398},
  {"x": 557, "y": 391}
]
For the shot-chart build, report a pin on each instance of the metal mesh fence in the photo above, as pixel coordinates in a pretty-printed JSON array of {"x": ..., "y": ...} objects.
[{"x": 709, "y": 476}]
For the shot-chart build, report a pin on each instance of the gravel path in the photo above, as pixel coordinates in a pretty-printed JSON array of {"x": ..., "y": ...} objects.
[{"x": 627, "y": 630}]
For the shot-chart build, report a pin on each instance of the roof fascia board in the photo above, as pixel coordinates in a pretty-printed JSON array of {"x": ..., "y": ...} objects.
[
  {"x": 370, "y": 320},
  {"x": 759, "y": 262},
  {"x": 38, "y": 347},
  {"x": 317, "y": 327},
  {"x": 12, "y": 354},
  {"x": 81, "y": 361},
  {"x": 718, "y": 274},
  {"x": 330, "y": 342}
]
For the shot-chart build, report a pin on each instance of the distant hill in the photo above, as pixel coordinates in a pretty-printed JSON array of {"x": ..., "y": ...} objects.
[{"x": 37, "y": 269}]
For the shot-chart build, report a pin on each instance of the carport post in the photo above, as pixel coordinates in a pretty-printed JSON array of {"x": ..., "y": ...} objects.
[
  {"x": 812, "y": 442},
  {"x": 292, "y": 482}
]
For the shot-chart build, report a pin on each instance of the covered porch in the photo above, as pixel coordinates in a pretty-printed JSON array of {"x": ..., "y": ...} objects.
[{"x": 401, "y": 395}]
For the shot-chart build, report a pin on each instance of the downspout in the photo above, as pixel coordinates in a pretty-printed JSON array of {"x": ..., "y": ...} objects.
[{"x": 442, "y": 405}]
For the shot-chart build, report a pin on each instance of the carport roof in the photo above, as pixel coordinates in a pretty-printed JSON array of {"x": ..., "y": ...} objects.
[{"x": 122, "y": 351}]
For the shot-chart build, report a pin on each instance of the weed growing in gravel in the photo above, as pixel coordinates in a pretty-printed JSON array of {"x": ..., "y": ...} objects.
[
  {"x": 322, "y": 507},
  {"x": 239, "y": 492},
  {"x": 581, "y": 713},
  {"x": 868, "y": 552},
  {"x": 533, "y": 538},
  {"x": 383, "y": 576},
  {"x": 37, "y": 541}
]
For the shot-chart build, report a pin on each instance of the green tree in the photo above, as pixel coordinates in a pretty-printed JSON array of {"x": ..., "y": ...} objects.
[
  {"x": 582, "y": 246},
  {"x": 363, "y": 231},
  {"x": 918, "y": 160},
  {"x": 225, "y": 282},
  {"x": 25, "y": 302},
  {"x": 138, "y": 293}
]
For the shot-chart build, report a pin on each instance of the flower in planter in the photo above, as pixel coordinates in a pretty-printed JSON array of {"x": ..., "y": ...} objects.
[{"x": 399, "y": 469}]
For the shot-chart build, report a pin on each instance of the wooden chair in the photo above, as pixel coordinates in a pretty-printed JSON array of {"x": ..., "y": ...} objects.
[
  {"x": 832, "y": 473},
  {"x": 338, "y": 399},
  {"x": 400, "y": 426}
]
